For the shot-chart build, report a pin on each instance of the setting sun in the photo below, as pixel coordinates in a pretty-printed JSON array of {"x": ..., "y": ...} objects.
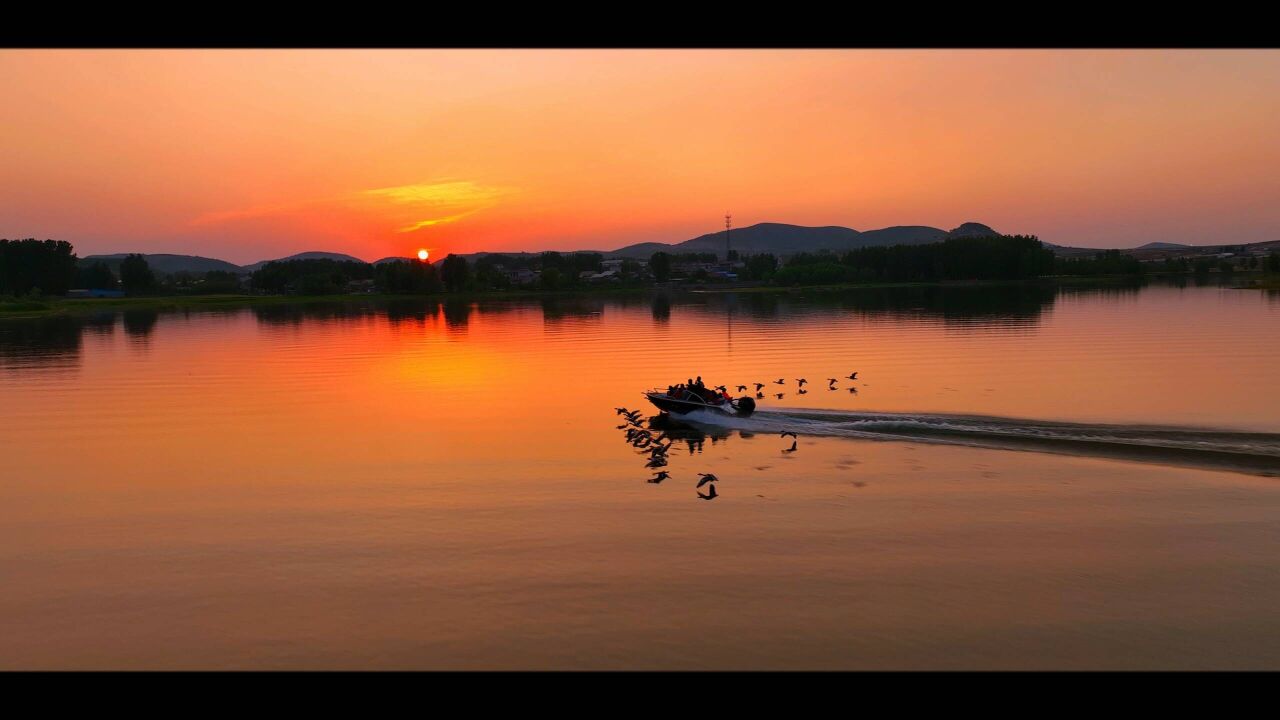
[{"x": 423, "y": 255}]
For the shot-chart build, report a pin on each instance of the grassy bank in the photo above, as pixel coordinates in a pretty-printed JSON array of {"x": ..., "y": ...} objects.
[{"x": 53, "y": 306}]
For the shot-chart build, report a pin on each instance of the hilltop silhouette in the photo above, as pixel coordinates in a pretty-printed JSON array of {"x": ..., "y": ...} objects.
[
  {"x": 784, "y": 239},
  {"x": 310, "y": 255},
  {"x": 165, "y": 263}
]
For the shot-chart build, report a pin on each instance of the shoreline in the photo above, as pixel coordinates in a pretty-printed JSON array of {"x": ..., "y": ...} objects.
[{"x": 23, "y": 308}]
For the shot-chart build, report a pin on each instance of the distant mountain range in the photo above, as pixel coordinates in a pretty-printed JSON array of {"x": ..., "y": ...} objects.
[
  {"x": 782, "y": 239},
  {"x": 313, "y": 255},
  {"x": 776, "y": 238},
  {"x": 165, "y": 263}
]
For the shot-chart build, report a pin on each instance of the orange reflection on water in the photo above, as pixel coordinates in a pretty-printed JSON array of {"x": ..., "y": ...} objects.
[{"x": 443, "y": 486}]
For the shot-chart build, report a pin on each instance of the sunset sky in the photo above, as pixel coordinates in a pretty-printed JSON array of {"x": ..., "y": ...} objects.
[{"x": 253, "y": 154}]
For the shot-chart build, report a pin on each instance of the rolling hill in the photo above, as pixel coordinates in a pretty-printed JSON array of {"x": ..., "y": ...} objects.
[
  {"x": 776, "y": 238},
  {"x": 310, "y": 255},
  {"x": 783, "y": 239},
  {"x": 165, "y": 263}
]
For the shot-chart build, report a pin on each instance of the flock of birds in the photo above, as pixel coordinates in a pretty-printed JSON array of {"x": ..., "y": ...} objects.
[
  {"x": 656, "y": 446},
  {"x": 800, "y": 383}
]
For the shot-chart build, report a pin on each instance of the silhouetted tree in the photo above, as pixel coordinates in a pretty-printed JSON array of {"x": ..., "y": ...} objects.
[
  {"x": 762, "y": 266},
  {"x": 1273, "y": 262},
  {"x": 95, "y": 277},
  {"x": 695, "y": 257},
  {"x": 136, "y": 275},
  {"x": 28, "y": 265},
  {"x": 217, "y": 282},
  {"x": 454, "y": 272},
  {"x": 407, "y": 277},
  {"x": 660, "y": 266},
  {"x": 319, "y": 276},
  {"x": 1110, "y": 262},
  {"x": 551, "y": 279}
]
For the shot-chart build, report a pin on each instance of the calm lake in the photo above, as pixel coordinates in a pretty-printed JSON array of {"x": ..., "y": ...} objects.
[{"x": 1025, "y": 478}]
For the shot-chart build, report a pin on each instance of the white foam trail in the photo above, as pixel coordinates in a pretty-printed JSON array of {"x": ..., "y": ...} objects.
[{"x": 1180, "y": 445}]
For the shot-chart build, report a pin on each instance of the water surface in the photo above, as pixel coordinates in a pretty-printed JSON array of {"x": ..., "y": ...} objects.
[{"x": 1025, "y": 478}]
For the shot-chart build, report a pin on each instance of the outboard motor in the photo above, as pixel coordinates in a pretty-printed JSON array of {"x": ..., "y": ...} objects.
[{"x": 744, "y": 405}]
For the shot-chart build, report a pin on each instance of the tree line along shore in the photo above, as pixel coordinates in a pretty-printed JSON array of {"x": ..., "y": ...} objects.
[{"x": 43, "y": 276}]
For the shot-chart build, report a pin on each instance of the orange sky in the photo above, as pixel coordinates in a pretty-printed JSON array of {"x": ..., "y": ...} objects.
[{"x": 253, "y": 154}]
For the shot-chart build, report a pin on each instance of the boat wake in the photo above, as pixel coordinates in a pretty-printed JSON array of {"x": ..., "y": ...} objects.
[{"x": 1197, "y": 447}]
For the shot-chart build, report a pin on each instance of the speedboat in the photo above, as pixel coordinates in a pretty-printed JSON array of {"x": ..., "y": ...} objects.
[{"x": 685, "y": 400}]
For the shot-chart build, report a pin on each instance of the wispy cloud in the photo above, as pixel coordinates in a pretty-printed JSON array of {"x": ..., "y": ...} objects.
[
  {"x": 447, "y": 193},
  {"x": 464, "y": 196},
  {"x": 435, "y": 221},
  {"x": 408, "y": 207}
]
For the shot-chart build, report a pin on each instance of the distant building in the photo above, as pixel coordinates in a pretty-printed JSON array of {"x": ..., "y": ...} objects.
[
  {"x": 597, "y": 277},
  {"x": 523, "y": 276}
]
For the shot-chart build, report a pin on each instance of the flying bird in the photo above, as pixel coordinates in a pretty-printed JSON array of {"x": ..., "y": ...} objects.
[
  {"x": 802, "y": 381},
  {"x": 758, "y": 386},
  {"x": 780, "y": 395},
  {"x": 742, "y": 388},
  {"x": 785, "y": 433},
  {"x": 853, "y": 391},
  {"x": 662, "y": 475},
  {"x": 709, "y": 496},
  {"x": 853, "y": 375},
  {"x": 831, "y": 381},
  {"x": 793, "y": 446},
  {"x": 780, "y": 381},
  {"x": 804, "y": 392},
  {"x": 707, "y": 478},
  {"x": 759, "y": 396},
  {"x": 721, "y": 388},
  {"x": 832, "y": 387}
]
